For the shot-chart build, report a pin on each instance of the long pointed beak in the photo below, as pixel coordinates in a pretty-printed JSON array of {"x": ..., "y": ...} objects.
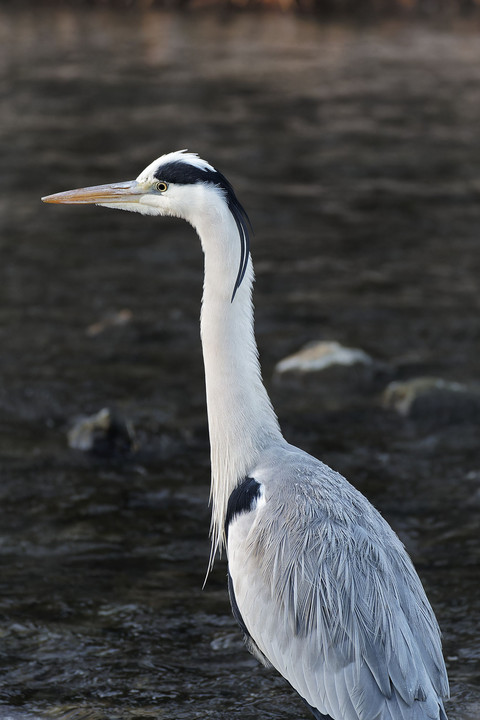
[{"x": 123, "y": 192}]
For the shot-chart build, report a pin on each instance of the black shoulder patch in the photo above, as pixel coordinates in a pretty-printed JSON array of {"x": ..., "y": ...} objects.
[{"x": 242, "y": 499}]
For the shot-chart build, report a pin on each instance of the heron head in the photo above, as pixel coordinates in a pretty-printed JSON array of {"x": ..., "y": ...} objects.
[{"x": 179, "y": 184}]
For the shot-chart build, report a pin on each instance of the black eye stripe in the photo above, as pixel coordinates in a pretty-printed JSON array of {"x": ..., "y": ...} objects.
[{"x": 183, "y": 173}]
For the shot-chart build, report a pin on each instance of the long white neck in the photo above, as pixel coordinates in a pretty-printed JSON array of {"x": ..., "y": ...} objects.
[{"x": 241, "y": 419}]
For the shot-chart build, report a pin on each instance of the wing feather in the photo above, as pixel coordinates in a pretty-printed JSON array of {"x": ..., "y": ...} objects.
[{"x": 331, "y": 598}]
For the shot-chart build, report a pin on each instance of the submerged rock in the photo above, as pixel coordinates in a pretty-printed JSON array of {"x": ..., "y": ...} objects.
[
  {"x": 317, "y": 356},
  {"x": 102, "y": 434},
  {"x": 434, "y": 400},
  {"x": 114, "y": 319},
  {"x": 329, "y": 370}
]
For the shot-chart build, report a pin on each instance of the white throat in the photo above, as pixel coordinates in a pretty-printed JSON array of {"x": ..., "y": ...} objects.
[{"x": 241, "y": 419}]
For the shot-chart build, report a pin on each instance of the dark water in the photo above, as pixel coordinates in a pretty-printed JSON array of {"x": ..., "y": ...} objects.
[{"x": 356, "y": 151}]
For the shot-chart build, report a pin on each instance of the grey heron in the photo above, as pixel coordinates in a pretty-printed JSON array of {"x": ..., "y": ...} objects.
[{"x": 321, "y": 586}]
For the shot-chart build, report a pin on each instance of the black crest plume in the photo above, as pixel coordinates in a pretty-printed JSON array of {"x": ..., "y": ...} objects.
[{"x": 185, "y": 174}]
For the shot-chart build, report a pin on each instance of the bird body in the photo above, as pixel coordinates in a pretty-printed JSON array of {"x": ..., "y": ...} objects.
[
  {"x": 320, "y": 584},
  {"x": 329, "y": 596}
]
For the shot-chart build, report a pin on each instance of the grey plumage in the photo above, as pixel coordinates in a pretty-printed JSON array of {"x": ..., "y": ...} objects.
[{"x": 331, "y": 597}]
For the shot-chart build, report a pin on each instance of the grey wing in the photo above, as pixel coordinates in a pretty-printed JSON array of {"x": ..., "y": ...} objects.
[{"x": 334, "y": 603}]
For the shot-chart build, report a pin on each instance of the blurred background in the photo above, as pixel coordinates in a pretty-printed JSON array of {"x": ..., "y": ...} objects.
[{"x": 351, "y": 134}]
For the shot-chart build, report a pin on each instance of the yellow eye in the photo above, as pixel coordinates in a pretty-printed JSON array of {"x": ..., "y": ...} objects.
[{"x": 161, "y": 186}]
